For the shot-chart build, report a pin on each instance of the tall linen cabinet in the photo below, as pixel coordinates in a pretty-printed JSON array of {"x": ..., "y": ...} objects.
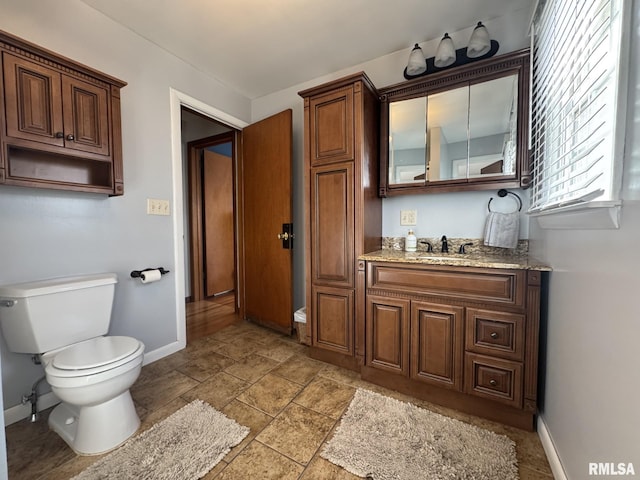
[{"x": 343, "y": 213}]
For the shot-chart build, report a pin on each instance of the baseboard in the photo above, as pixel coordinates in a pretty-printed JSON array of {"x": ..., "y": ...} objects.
[
  {"x": 19, "y": 412},
  {"x": 158, "y": 353},
  {"x": 550, "y": 450}
]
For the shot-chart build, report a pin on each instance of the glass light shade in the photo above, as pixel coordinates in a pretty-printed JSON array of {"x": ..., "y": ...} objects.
[
  {"x": 417, "y": 63},
  {"x": 480, "y": 42},
  {"x": 446, "y": 52}
]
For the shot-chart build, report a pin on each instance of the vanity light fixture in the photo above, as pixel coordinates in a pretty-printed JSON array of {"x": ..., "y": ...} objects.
[
  {"x": 446, "y": 52},
  {"x": 480, "y": 42},
  {"x": 480, "y": 46},
  {"x": 417, "y": 63}
]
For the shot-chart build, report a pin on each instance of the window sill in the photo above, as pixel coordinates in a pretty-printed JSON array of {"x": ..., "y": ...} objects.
[{"x": 587, "y": 216}]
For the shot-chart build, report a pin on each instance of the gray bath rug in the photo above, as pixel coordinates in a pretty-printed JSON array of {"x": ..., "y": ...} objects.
[
  {"x": 185, "y": 445},
  {"x": 382, "y": 438}
]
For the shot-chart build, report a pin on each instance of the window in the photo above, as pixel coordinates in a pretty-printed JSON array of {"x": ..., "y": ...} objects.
[{"x": 577, "y": 108}]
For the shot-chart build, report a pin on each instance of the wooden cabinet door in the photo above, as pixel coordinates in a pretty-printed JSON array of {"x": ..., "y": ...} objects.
[
  {"x": 332, "y": 127},
  {"x": 333, "y": 322},
  {"x": 33, "y": 101},
  {"x": 332, "y": 225},
  {"x": 387, "y": 332},
  {"x": 86, "y": 116},
  {"x": 437, "y": 344}
]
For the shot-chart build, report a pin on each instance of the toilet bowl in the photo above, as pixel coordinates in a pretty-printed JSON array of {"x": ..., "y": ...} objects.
[
  {"x": 92, "y": 379},
  {"x": 65, "y": 321}
]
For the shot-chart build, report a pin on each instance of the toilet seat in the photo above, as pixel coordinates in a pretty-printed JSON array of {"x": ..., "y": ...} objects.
[{"x": 93, "y": 356}]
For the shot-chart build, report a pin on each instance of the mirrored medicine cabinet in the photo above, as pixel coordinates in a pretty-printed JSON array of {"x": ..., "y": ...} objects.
[{"x": 461, "y": 129}]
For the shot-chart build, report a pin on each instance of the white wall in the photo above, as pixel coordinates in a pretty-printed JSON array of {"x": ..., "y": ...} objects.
[
  {"x": 52, "y": 233},
  {"x": 455, "y": 215},
  {"x": 592, "y": 382}
]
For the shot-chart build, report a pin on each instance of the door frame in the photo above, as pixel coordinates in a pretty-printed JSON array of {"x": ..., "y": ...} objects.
[
  {"x": 177, "y": 100},
  {"x": 197, "y": 257}
]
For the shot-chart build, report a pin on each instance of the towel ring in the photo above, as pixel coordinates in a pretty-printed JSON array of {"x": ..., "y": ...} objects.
[{"x": 503, "y": 193}]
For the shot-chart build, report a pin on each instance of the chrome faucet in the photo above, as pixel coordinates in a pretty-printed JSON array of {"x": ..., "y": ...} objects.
[{"x": 445, "y": 245}]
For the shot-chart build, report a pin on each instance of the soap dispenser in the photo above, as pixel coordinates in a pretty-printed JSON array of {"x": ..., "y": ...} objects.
[{"x": 410, "y": 242}]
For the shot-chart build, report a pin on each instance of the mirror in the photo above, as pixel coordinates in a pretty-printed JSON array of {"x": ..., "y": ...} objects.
[
  {"x": 463, "y": 136},
  {"x": 493, "y": 127},
  {"x": 447, "y": 132},
  {"x": 407, "y": 138}
]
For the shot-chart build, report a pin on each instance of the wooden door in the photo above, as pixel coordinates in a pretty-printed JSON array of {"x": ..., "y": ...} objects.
[
  {"x": 86, "y": 116},
  {"x": 267, "y": 205},
  {"x": 437, "y": 344},
  {"x": 33, "y": 101},
  {"x": 217, "y": 172}
]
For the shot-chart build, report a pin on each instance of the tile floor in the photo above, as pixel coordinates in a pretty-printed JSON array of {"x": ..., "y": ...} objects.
[{"x": 263, "y": 380}]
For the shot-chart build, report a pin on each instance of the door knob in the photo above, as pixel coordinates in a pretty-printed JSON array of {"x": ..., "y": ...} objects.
[
  {"x": 286, "y": 236},
  {"x": 70, "y": 137}
]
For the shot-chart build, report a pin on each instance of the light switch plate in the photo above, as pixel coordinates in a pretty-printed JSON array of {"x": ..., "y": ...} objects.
[
  {"x": 158, "y": 207},
  {"x": 408, "y": 217}
]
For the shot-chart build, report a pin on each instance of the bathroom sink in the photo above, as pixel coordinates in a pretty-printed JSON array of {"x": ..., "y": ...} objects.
[{"x": 443, "y": 258}]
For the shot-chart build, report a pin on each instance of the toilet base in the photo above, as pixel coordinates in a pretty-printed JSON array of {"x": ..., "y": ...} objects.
[{"x": 96, "y": 429}]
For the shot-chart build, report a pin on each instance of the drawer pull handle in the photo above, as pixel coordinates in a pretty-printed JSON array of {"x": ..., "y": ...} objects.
[
  {"x": 493, "y": 383},
  {"x": 494, "y": 335}
]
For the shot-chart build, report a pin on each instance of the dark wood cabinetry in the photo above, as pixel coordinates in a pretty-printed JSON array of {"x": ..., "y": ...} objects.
[
  {"x": 61, "y": 124},
  {"x": 343, "y": 211},
  {"x": 436, "y": 344},
  {"x": 465, "y": 337}
]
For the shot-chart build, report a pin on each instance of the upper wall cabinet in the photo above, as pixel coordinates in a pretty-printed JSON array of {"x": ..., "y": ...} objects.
[
  {"x": 60, "y": 122},
  {"x": 463, "y": 129}
]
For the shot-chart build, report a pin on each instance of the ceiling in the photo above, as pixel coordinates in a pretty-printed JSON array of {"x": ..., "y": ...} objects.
[{"x": 258, "y": 47}]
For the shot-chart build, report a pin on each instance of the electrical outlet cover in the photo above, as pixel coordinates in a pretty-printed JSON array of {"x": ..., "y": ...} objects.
[{"x": 408, "y": 217}]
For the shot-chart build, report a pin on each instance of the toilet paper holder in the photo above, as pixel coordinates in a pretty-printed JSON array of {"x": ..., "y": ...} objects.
[{"x": 138, "y": 273}]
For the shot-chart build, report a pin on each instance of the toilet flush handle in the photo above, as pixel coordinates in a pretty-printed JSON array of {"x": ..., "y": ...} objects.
[{"x": 7, "y": 303}]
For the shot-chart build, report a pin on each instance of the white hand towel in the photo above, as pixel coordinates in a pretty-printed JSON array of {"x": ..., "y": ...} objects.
[{"x": 502, "y": 230}]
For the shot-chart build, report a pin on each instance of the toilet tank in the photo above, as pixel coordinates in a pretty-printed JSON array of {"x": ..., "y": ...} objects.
[{"x": 40, "y": 316}]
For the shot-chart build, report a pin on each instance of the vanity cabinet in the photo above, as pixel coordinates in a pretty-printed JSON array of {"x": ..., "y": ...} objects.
[
  {"x": 343, "y": 213},
  {"x": 419, "y": 340},
  {"x": 465, "y": 337},
  {"x": 61, "y": 122}
]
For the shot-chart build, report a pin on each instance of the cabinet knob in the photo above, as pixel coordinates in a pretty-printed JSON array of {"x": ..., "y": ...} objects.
[
  {"x": 493, "y": 383},
  {"x": 70, "y": 137},
  {"x": 493, "y": 335},
  {"x": 59, "y": 135}
]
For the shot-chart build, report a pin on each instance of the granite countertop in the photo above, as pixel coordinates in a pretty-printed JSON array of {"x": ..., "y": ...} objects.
[{"x": 517, "y": 262}]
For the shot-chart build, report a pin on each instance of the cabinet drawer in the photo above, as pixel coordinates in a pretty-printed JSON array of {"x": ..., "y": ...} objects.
[
  {"x": 503, "y": 287},
  {"x": 494, "y": 379},
  {"x": 497, "y": 334}
]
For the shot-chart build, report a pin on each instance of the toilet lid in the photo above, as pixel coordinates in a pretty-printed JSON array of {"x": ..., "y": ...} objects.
[{"x": 95, "y": 353}]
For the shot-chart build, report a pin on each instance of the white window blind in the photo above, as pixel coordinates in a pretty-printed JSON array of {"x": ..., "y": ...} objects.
[{"x": 575, "y": 61}]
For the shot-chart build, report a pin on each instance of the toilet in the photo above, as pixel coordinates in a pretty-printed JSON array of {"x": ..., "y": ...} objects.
[{"x": 65, "y": 322}]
